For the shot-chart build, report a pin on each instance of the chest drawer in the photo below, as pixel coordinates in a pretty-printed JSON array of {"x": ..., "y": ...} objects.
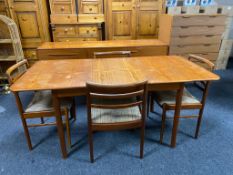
[
  {"x": 199, "y": 20},
  {"x": 197, "y": 30},
  {"x": 194, "y": 40},
  {"x": 64, "y": 30},
  {"x": 90, "y": 8},
  {"x": 85, "y": 18},
  {"x": 62, "y": 8},
  {"x": 88, "y": 31},
  {"x": 204, "y": 48},
  {"x": 64, "y": 19}
]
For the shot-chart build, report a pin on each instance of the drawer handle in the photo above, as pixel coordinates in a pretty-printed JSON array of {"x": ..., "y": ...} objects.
[
  {"x": 213, "y": 16},
  {"x": 210, "y": 26},
  {"x": 66, "y": 30},
  {"x": 88, "y": 31},
  {"x": 184, "y": 27},
  {"x": 183, "y": 36},
  {"x": 185, "y": 16},
  {"x": 62, "y": 8},
  {"x": 90, "y": 9},
  {"x": 180, "y": 46},
  {"x": 209, "y": 36},
  {"x": 123, "y": 5}
]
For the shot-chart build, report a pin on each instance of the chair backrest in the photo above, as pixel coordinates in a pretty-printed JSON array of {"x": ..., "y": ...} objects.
[
  {"x": 203, "y": 85},
  {"x": 204, "y": 62},
  {"x": 116, "y": 97},
  {"x": 17, "y": 70},
  {"x": 112, "y": 54}
]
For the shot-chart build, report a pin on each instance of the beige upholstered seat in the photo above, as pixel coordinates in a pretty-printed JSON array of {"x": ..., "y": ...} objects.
[
  {"x": 169, "y": 97},
  {"x": 42, "y": 101},
  {"x": 115, "y": 115}
]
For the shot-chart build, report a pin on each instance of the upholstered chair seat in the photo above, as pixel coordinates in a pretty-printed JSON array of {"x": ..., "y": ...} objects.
[
  {"x": 115, "y": 115},
  {"x": 169, "y": 97},
  {"x": 42, "y": 101}
]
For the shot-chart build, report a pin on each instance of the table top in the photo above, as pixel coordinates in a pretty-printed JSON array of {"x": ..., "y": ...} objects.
[
  {"x": 74, "y": 73},
  {"x": 101, "y": 44}
]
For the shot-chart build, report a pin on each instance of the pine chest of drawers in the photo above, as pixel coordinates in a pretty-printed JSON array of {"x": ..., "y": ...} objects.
[{"x": 193, "y": 34}]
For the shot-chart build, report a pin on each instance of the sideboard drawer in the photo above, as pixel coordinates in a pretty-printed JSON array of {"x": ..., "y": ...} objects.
[
  {"x": 189, "y": 20},
  {"x": 64, "y": 19}
]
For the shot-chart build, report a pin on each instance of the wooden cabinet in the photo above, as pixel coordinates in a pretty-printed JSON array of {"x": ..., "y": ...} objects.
[
  {"x": 192, "y": 34},
  {"x": 32, "y": 20},
  {"x": 31, "y": 17},
  {"x": 74, "y": 50},
  {"x": 76, "y": 20},
  {"x": 132, "y": 19}
]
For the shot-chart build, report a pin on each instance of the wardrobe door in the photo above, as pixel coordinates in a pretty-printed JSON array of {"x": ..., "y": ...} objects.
[
  {"x": 148, "y": 18},
  {"x": 32, "y": 19},
  {"x": 121, "y": 19}
]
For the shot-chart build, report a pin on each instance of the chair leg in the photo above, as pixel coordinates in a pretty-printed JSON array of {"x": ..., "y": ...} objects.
[
  {"x": 42, "y": 120},
  {"x": 142, "y": 141},
  {"x": 90, "y": 139},
  {"x": 67, "y": 127},
  {"x": 152, "y": 103},
  {"x": 163, "y": 124},
  {"x": 26, "y": 131},
  {"x": 199, "y": 123},
  {"x": 73, "y": 110}
]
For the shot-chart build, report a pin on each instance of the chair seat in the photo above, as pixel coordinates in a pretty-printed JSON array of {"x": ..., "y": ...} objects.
[
  {"x": 42, "y": 101},
  {"x": 115, "y": 115},
  {"x": 169, "y": 97}
]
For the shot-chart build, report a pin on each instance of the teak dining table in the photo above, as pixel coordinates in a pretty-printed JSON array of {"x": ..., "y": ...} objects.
[{"x": 67, "y": 78}]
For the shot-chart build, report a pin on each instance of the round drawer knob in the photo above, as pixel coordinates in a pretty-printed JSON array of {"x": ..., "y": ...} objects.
[
  {"x": 62, "y": 8},
  {"x": 90, "y": 9},
  {"x": 66, "y": 30},
  {"x": 88, "y": 31}
]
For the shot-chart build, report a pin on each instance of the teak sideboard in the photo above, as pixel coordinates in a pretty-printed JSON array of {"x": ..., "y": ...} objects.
[{"x": 86, "y": 49}]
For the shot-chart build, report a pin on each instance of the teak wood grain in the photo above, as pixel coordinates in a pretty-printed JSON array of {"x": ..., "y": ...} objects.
[
  {"x": 74, "y": 73},
  {"x": 68, "y": 78}
]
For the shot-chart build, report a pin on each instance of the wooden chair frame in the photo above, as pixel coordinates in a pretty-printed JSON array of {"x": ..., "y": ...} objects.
[
  {"x": 202, "y": 86},
  {"x": 120, "y": 53},
  {"x": 96, "y": 91},
  {"x": 41, "y": 114}
]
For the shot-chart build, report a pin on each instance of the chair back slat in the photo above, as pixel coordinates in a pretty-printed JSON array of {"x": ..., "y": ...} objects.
[
  {"x": 119, "y": 96},
  {"x": 116, "y": 97},
  {"x": 117, "y": 106}
]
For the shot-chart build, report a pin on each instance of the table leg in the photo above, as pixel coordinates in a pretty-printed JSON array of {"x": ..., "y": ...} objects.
[
  {"x": 177, "y": 115},
  {"x": 56, "y": 104}
]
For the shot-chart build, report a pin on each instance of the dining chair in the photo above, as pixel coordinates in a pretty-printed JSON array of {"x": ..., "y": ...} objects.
[
  {"x": 167, "y": 99},
  {"x": 40, "y": 105},
  {"x": 120, "y": 107},
  {"x": 112, "y": 54}
]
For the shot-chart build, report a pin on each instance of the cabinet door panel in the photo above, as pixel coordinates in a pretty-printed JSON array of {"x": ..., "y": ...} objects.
[
  {"x": 122, "y": 23},
  {"x": 121, "y": 19},
  {"x": 147, "y": 18},
  {"x": 147, "y": 23},
  {"x": 32, "y": 20},
  {"x": 28, "y": 25}
]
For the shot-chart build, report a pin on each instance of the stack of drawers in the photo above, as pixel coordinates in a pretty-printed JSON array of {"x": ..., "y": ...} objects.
[
  {"x": 193, "y": 34},
  {"x": 76, "y": 20}
]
